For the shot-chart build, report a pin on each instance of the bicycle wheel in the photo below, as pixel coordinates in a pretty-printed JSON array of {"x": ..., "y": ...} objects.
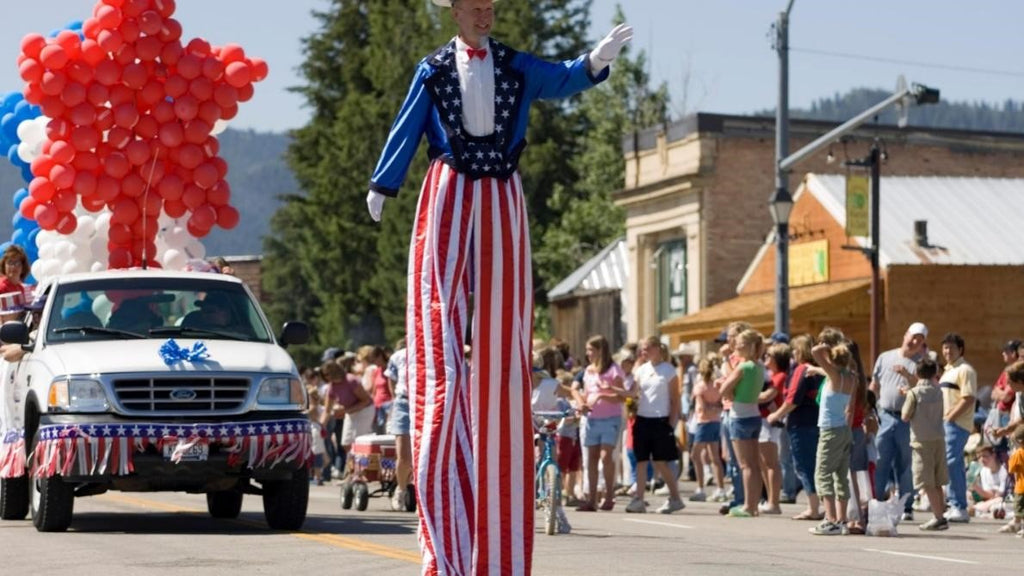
[{"x": 552, "y": 499}]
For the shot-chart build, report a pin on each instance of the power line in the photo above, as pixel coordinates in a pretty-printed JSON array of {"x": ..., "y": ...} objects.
[{"x": 850, "y": 56}]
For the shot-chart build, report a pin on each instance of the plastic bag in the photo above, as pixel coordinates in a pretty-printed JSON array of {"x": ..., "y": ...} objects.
[{"x": 884, "y": 516}]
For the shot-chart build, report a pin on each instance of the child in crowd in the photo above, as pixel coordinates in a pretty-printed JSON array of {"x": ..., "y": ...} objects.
[
  {"x": 1016, "y": 468},
  {"x": 989, "y": 486},
  {"x": 570, "y": 457},
  {"x": 707, "y": 437},
  {"x": 923, "y": 409}
]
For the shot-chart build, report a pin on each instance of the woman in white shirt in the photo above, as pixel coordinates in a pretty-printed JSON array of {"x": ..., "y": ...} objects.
[{"x": 658, "y": 408}]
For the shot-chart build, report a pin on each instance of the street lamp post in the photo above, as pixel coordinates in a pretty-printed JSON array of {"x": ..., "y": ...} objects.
[{"x": 780, "y": 205}]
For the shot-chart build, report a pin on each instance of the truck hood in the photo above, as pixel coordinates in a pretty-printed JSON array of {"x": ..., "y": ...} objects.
[{"x": 126, "y": 356}]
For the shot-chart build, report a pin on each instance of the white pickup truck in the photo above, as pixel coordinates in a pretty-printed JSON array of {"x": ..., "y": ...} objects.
[{"x": 151, "y": 381}]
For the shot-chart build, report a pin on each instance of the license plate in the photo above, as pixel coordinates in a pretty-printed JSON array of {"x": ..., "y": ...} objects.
[{"x": 198, "y": 452}]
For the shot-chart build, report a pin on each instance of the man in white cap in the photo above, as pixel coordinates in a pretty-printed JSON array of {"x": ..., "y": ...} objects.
[
  {"x": 472, "y": 438},
  {"x": 892, "y": 376}
]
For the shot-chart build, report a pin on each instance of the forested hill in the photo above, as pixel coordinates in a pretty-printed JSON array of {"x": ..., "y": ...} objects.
[
  {"x": 258, "y": 176},
  {"x": 981, "y": 116}
]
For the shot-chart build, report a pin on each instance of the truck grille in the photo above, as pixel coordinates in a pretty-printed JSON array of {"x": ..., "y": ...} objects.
[{"x": 181, "y": 394}]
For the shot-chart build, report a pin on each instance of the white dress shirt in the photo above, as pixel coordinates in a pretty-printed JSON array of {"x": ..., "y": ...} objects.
[{"x": 476, "y": 82}]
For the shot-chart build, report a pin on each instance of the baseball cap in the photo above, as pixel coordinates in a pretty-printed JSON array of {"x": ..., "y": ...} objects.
[
  {"x": 1011, "y": 346},
  {"x": 779, "y": 337},
  {"x": 918, "y": 328},
  {"x": 330, "y": 354},
  {"x": 723, "y": 337}
]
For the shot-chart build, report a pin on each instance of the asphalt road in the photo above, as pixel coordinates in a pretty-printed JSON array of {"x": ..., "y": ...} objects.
[{"x": 159, "y": 533}]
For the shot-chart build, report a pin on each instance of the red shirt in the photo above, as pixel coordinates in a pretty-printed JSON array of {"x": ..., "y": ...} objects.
[
  {"x": 1006, "y": 404},
  {"x": 778, "y": 382}
]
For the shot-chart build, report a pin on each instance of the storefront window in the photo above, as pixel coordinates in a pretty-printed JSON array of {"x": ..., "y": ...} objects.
[{"x": 671, "y": 274}]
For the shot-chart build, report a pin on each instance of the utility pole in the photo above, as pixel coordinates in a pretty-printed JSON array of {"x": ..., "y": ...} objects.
[{"x": 781, "y": 201}]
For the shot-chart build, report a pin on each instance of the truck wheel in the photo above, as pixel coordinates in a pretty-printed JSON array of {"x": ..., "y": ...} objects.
[
  {"x": 346, "y": 495},
  {"x": 285, "y": 501},
  {"x": 410, "y": 498},
  {"x": 225, "y": 503},
  {"x": 53, "y": 503},
  {"x": 362, "y": 494},
  {"x": 13, "y": 498}
]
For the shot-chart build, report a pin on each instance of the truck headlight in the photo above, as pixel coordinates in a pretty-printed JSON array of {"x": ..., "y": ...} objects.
[
  {"x": 278, "y": 393},
  {"x": 71, "y": 395}
]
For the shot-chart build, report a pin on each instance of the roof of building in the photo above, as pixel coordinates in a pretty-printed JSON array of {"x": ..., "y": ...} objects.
[
  {"x": 607, "y": 270},
  {"x": 971, "y": 221}
]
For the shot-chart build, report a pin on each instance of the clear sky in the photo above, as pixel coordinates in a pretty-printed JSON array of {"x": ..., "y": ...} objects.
[{"x": 715, "y": 55}]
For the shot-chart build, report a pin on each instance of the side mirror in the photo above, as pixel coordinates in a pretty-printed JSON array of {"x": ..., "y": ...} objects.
[
  {"x": 294, "y": 333},
  {"x": 14, "y": 333}
]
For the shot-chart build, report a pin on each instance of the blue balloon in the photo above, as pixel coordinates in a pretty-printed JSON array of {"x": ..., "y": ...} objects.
[
  {"x": 10, "y": 99},
  {"x": 26, "y": 173},
  {"x": 9, "y": 125},
  {"x": 5, "y": 246},
  {"x": 12, "y": 155},
  {"x": 23, "y": 110},
  {"x": 19, "y": 237},
  {"x": 75, "y": 25},
  {"x": 20, "y": 195}
]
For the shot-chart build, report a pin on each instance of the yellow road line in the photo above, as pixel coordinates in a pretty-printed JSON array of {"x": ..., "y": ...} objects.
[{"x": 321, "y": 537}]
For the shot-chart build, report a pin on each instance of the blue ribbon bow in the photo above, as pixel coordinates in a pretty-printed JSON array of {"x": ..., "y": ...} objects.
[{"x": 172, "y": 353}]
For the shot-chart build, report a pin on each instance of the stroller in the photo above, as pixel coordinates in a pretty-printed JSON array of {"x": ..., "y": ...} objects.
[{"x": 371, "y": 459}]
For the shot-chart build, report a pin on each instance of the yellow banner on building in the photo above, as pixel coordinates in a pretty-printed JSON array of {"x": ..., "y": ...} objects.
[
  {"x": 808, "y": 263},
  {"x": 857, "y": 205}
]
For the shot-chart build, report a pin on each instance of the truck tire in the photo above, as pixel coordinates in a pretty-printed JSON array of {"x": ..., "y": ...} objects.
[
  {"x": 285, "y": 501},
  {"x": 347, "y": 495},
  {"x": 14, "y": 498},
  {"x": 410, "y": 498},
  {"x": 52, "y": 504},
  {"x": 362, "y": 494},
  {"x": 224, "y": 504}
]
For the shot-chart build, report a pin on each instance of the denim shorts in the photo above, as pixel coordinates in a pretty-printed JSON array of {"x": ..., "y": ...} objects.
[
  {"x": 745, "y": 428},
  {"x": 708, "y": 432},
  {"x": 603, "y": 431},
  {"x": 398, "y": 423}
]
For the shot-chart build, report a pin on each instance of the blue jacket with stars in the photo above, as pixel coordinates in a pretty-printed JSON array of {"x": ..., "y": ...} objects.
[{"x": 433, "y": 106}]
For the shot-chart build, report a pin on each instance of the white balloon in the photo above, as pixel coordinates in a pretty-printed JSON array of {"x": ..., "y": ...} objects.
[
  {"x": 25, "y": 152},
  {"x": 63, "y": 250},
  {"x": 86, "y": 227},
  {"x": 177, "y": 237},
  {"x": 219, "y": 126},
  {"x": 69, "y": 267},
  {"x": 195, "y": 249},
  {"x": 46, "y": 249},
  {"x": 102, "y": 223},
  {"x": 98, "y": 248},
  {"x": 37, "y": 268},
  {"x": 101, "y": 306},
  {"x": 98, "y": 267},
  {"x": 174, "y": 259}
]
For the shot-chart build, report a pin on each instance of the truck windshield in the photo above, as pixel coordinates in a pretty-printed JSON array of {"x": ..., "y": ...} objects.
[{"x": 160, "y": 308}]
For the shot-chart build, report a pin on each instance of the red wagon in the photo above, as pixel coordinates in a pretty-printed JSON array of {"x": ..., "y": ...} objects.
[{"x": 372, "y": 458}]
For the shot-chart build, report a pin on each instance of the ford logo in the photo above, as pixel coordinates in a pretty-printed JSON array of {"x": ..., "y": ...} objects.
[{"x": 183, "y": 395}]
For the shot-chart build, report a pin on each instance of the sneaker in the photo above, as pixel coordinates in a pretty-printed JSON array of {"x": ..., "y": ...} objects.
[
  {"x": 724, "y": 509},
  {"x": 787, "y": 499},
  {"x": 1020, "y": 533},
  {"x": 398, "y": 500},
  {"x": 1009, "y": 528},
  {"x": 908, "y": 516},
  {"x": 607, "y": 504},
  {"x": 826, "y": 528},
  {"x": 671, "y": 505},
  {"x": 765, "y": 508},
  {"x": 663, "y": 491},
  {"x": 636, "y": 506},
  {"x": 720, "y": 496},
  {"x": 698, "y": 497},
  {"x": 922, "y": 505},
  {"x": 959, "y": 515},
  {"x": 586, "y": 507},
  {"x": 934, "y": 525},
  {"x": 739, "y": 512}
]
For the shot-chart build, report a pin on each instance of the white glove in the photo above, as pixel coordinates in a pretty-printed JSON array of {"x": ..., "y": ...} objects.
[
  {"x": 375, "y": 202},
  {"x": 608, "y": 49}
]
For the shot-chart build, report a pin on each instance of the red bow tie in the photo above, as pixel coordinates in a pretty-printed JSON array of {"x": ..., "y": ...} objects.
[{"x": 474, "y": 53}]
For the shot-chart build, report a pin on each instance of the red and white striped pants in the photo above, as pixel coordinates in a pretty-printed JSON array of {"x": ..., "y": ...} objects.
[{"x": 471, "y": 434}]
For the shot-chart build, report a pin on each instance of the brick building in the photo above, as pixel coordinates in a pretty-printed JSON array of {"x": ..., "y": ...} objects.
[{"x": 696, "y": 197}]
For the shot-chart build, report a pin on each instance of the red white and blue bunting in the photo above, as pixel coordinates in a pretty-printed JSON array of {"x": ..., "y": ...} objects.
[{"x": 97, "y": 449}]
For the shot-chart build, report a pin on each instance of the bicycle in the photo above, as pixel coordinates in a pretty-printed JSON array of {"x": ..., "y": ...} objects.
[{"x": 548, "y": 475}]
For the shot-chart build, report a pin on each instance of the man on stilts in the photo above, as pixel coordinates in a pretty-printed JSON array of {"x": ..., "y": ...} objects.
[{"x": 472, "y": 431}]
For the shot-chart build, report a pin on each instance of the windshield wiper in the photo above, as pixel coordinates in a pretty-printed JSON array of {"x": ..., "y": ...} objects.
[
  {"x": 180, "y": 330},
  {"x": 98, "y": 330}
]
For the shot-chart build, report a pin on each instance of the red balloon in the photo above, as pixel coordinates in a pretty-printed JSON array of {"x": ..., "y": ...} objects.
[
  {"x": 93, "y": 203},
  {"x": 151, "y": 22},
  {"x": 238, "y": 74},
  {"x": 66, "y": 223},
  {"x": 65, "y": 201},
  {"x": 133, "y": 185},
  {"x": 147, "y": 127},
  {"x": 201, "y": 88},
  {"x": 151, "y": 206},
  {"x": 46, "y": 215},
  {"x": 164, "y": 7},
  {"x": 58, "y": 129},
  {"x": 227, "y": 217},
  {"x": 119, "y": 259},
  {"x": 109, "y": 40},
  {"x": 260, "y": 69},
  {"x": 62, "y": 176},
  {"x": 133, "y": 8},
  {"x": 104, "y": 119},
  {"x": 85, "y": 162},
  {"x": 198, "y": 47},
  {"x": 33, "y": 93},
  {"x": 32, "y": 45},
  {"x": 245, "y": 93},
  {"x": 190, "y": 66},
  {"x": 220, "y": 194},
  {"x": 28, "y": 207},
  {"x": 173, "y": 208},
  {"x": 171, "y": 134},
  {"x": 197, "y": 131},
  {"x": 70, "y": 42},
  {"x": 205, "y": 175},
  {"x": 137, "y": 152},
  {"x": 176, "y": 86},
  {"x": 124, "y": 211},
  {"x": 171, "y": 53},
  {"x": 222, "y": 166},
  {"x": 134, "y": 76},
  {"x": 186, "y": 107},
  {"x": 194, "y": 196},
  {"x": 108, "y": 16},
  {"x": 126, "y": 115},
  {"x": 129, "y": 30},
  {"x": 229, "y": 112},
  {"x": 190, "y": 156},
  {"x": 148, "y": 49},
  {"x": 97, "y": 94},
  {"x": 54, "y": 56},
  {"x": 121, "y": 94},
  {"x": 53, "y": 106},
  {"x": 213, "y": 69},
  {"x": 194, "y": 229},
  {"x": 107, "y": 189},
  {"x": 73, "y": 94},
  {"x": 90, "y": 28},
  {"x": 205, "y": 216},
  {"x": 232, "y": 53},
  {"x": 116, "y": 165},
  {"x": 84, "y": 137},
  {"x": 41, "y": 189},
  {"x": 119, "y": 137},
  {"x": 163, "y": 112},
  {"x": 108, "y": 72},
  {"x": 142, "y": 250},
  {"x": 225, "y": 95},
  {"x": 92, "y": 53},
  {"x": 145, "y": 226},
  {"x": 209, "y": 112},
  {"x": 171, "y": 187},
  {"x": 80, "y": 72},
  {"x": 171, "y": 31},
  {"x": 31, "y": 70},
  {"x": 85, "y": 184},
  {"x": 42, "y": 165},
  {"x": 152, "y": 93},
  {"x": 211, "y": 147},
  {"x": 53, "y": 82},
  {"x": 62, "y": 152}
]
